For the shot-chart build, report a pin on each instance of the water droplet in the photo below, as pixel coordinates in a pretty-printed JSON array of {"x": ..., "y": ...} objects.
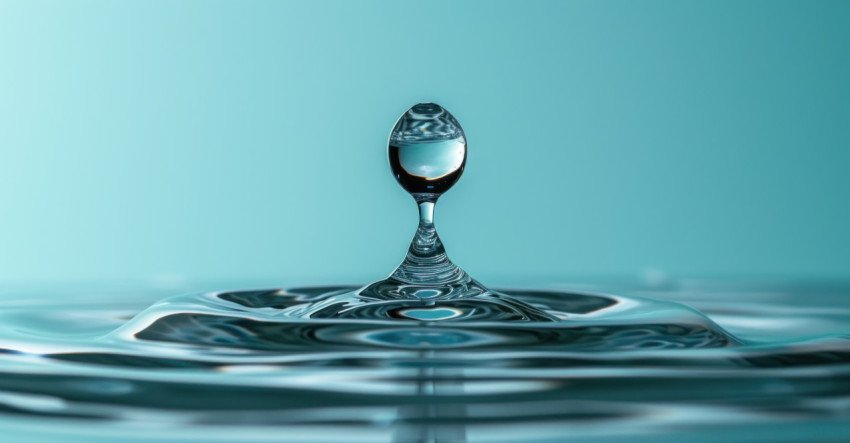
[{"x": 427, "y": 150}]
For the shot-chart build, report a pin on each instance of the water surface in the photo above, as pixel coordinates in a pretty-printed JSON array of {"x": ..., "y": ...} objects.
[{"x": 715, "y": 360}]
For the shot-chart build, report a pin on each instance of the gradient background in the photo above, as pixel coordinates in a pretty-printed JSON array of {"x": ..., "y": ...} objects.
[{"x": 193, "y": 141}]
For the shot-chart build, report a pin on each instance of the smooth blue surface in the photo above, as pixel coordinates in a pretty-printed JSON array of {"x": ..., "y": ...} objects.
[{"x": 247, "y": 140}]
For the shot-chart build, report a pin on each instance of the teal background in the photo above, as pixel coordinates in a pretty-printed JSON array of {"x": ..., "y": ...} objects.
[{"x": 200, "y": 140}]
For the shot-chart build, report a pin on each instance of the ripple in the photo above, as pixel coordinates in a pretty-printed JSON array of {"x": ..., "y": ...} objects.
[
  {"x": 265, "y": 358},
  {"x": 293, "y": 321}
]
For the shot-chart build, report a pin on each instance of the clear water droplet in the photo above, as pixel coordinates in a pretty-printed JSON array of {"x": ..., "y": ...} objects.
[
  {"x": 427, "y": 153},
  {"x": 427, "y": 150}
]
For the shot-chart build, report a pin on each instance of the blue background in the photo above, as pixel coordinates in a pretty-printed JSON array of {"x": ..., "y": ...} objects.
[{"x": 198, "y": 140}]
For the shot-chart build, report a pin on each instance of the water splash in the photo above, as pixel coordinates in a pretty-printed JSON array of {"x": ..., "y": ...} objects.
[
  {"x": 427, "y": 153},
  {"x": 428, "y": 354}
]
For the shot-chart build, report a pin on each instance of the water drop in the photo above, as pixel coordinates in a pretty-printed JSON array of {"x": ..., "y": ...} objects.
[
  {"x": 427, "y": 155},
  {"x": 427, "y": 151}
]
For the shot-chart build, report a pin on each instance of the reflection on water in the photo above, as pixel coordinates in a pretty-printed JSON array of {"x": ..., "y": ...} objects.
[{"x": 267, "y": 364}]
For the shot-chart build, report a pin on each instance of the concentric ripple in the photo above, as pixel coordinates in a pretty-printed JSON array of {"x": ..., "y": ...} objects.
[
  {"x": 296, "y": 322},
  {"x": 413, "y": 369}
]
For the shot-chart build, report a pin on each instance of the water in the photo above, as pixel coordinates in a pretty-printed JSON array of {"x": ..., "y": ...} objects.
[
  {"x": 417, "y": 176},
  {"x": 429, "y": 353},
  {"x": 427, "y": 150},
  {"x": 766, "y": 360}
]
